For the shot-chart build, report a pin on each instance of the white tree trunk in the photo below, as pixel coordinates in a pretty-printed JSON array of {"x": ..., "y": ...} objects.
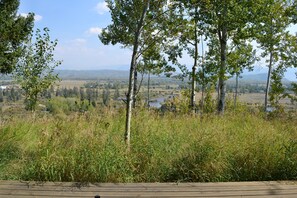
[
  {"x": 193, "y": 94},
  {"x": 268, "y": 82},
  {"x": 130, "y": 94}
]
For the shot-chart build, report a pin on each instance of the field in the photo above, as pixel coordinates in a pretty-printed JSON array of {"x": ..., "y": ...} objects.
[{"x": 71, "y": 83}]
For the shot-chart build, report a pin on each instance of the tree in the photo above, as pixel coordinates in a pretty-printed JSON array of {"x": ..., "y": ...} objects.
[
  {"x": 13, "y": 95},
  {"x": 190, "y": 29},
  {"x": 82, "y": 94},
  {"x": 226, "y": 20},
  {"x": 287, "y": 57},
  {"x": 294, "y": 90},
  {"x": 106, "y": 96},
  {"x": 14, "y": 30},
  {"x": 116, "y": 92},
  {"x": 153, "y": 62},
  {"x": 90, "y": 95},
  {"x": 185, "y": 36},
  {"x": 242, "y": 57},
  {"x": 275, "y": 17},
  {"x": 133, "y": 24},
  {"x": 1, "y": 95},
  {"x": 208, "y": 74},
  {"x": 35, "y": 70}
]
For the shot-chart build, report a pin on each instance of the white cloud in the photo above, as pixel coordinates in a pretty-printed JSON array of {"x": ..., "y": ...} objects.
[
  {"x": 79, "y": 41},
  {"x": 36, "y": 16},
  {"x": 102, "y": 8},
  {"x": 94, "y": 30},
  {"x": 82, "y": 54}
]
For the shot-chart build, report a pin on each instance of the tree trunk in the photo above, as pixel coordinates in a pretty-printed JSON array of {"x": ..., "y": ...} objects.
[
  {"x": 222, "y": 33},
  {"x": 236, "y": 90},
  {"x": 222, "y": 82},
  {"x": 203, "y": 78},
  {"x": 268, "y": 82},
  {"x": 148, "y": 89},
  {"x": 131, "y": 75},
  {"x": 193, "y": 94},
  {"x": 202, "y": 98},
  {"x": 135, "y": 88}
]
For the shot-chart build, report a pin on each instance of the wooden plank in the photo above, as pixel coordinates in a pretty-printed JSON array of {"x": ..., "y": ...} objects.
[
  {"x": 151, "y": 184},
  {"x": 141, "y": 194},
  {"x": 273, "y": 196},
  {"x": 236, "y": 189},
  {"x": 142, "y": 188},
  {"x": 146, "y": 185},
  {"x": 146, "y": 194}
]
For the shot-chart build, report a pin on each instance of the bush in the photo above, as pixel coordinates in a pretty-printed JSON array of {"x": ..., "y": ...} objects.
[{"x": 61, "y": 105}]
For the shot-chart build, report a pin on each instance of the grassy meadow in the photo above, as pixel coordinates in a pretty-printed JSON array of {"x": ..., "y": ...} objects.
[{"x": 89, "y": 147}]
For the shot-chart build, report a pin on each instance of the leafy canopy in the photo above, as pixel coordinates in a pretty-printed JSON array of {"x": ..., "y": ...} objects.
[
  {"x": 14, "y": 30},
  {"x": 35, "y": 70}
]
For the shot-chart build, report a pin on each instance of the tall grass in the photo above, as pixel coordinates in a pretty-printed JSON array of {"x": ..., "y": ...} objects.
[{"x": 89, "y": 147}]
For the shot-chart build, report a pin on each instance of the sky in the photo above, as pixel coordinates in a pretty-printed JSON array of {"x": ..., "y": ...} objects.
[{"x": 76, "y": 25}]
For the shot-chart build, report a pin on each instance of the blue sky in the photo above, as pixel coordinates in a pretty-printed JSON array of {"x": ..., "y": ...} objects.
[{"x": 76, "y": 24}]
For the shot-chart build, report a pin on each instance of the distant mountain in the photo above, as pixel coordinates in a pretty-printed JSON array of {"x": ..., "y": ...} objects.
[
  {"x": 255, "y": 77},
  {"x": 92, "y": 74},
  {"x": 260, "y": 78},
  {"x": 290, "y": 74},
  {"x": 124, "y": 74}
]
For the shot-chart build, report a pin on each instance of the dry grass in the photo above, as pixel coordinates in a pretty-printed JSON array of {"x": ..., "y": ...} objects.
[
  {"x": 71, "y": 83},
  {"x": 89, "y": 147}
]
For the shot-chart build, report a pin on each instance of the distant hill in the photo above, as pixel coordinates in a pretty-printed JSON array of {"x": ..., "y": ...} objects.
[
  {"x": 124, "y": 74},
  {"x": 259, "y": 78},
  {"x": 92, "y": 74},
  {"x": 255, "y": 77}
]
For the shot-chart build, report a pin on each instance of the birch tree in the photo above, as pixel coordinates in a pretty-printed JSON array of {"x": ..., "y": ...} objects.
[
  {"x": 241, "y": 57},
  {"x": 133, "y": 24},
  {"x": 226, "y": 20},
  {"x": 153, "y": 63},
  {"x": 287, "y": 58},
  {"x": 189, "y": 37},
  {"x": 275, "y": 17}
]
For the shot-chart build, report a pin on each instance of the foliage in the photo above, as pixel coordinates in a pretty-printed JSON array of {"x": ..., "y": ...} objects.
[
  {"x": 67, "y": 106},
  {"x": 210, "y": 103},
  {"x": 106, "y": 97},
  {"x": 14, "y": 30},
  {"x": 116, "y": 93},
  {"x": 134, "y": 25},
  {"x": 225, "y": 21},
  {"x": 35, "y": 70},
  {"x": 279, "y": 47},
  {"x": 1, "y": 96},
  {"x": 241, "y": 57},
  {"x": 277, "y": 88},
  {"x": 293, "y": 96}
]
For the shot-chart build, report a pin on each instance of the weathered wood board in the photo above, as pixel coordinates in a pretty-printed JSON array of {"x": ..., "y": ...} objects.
[{"x": 20, "y": 189}]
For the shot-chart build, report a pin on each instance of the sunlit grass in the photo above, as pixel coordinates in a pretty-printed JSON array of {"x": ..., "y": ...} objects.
[{"x": 89, "y": 147}]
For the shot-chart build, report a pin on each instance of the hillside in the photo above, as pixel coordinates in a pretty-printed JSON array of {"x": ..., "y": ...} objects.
[
  {"x": 92, "y": 74},
  {"x": 124, "y": 74}
]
